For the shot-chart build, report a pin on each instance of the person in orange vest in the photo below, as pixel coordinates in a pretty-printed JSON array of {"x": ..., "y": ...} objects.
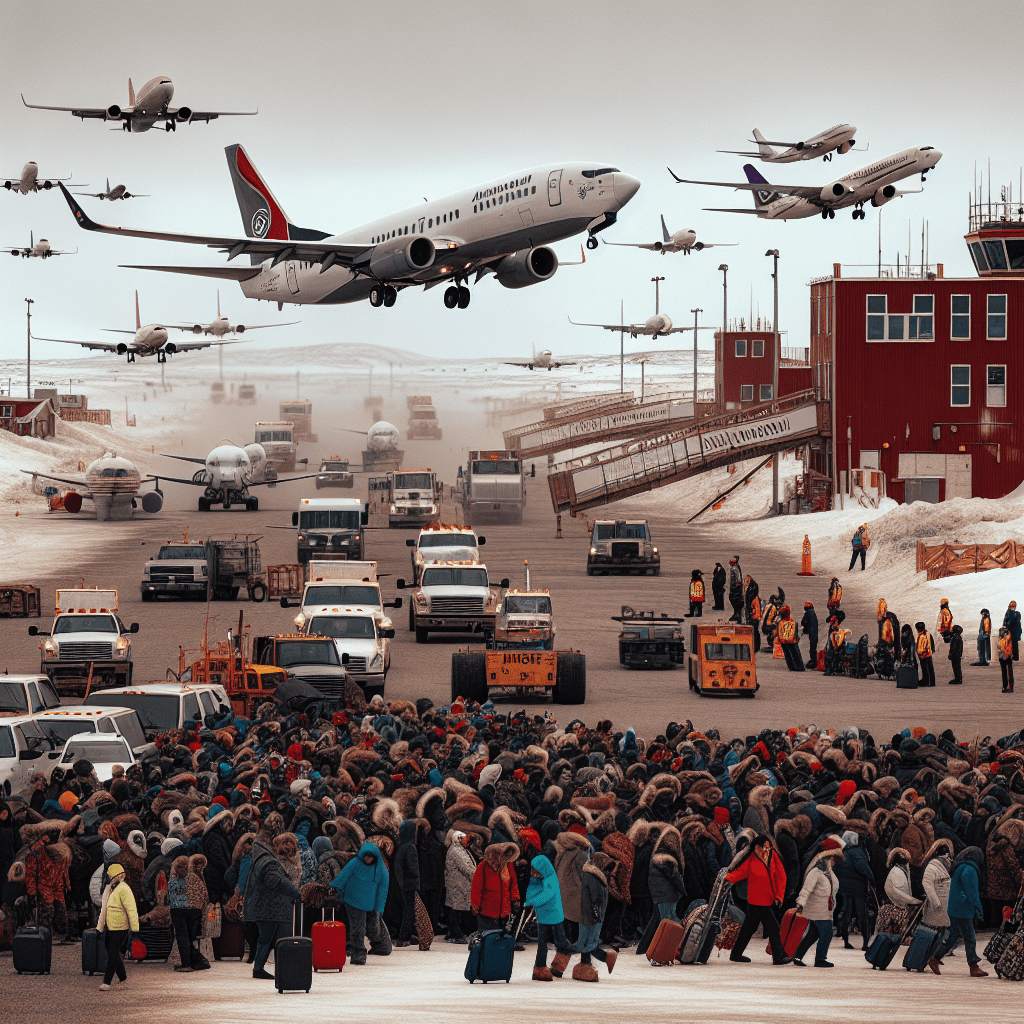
[
  {"x": 752, "y": 600},
  {"x": 886, "y": 633},
  {"x": 696, "y": 595},
  {"x": 859, "y": 544},
  {"x": 925, "y": 650},
  {"x": 1005, "y": 648},
  {"x": 835, "y": 595},
  {"x": 944, "y": 623},
  {"x": 789, "y": 638},
  {"x": 880, "y": 616},
  {"x": 835, "y": 652},
  {"x": 984, "y": 639},
  {"x": 768, "y": 621}
]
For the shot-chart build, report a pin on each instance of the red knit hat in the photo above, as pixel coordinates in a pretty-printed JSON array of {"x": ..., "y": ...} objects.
[
  {"x": 831, "y": 846},
  {"x": 721, "y": 815},
  {"x": 577, "y": 828},
  {"x": 846, "y": 790},
  {"x": 294, "y": 752}
]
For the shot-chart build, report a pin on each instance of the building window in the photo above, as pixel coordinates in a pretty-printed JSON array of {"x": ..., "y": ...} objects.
[
  {"x": 533, "y": 191},
  {"x": 746, "y": 392},
  {"x": 766, "y": 392},
  {"x": 741, "y": 348},
  {"x": 960, "y": 317},
  {"x": 996, "y": 318},
  {"x": 995, "y": 395},
  {"x": 978, "y": 254},
  {"x": 876, "y": 317},
  {"x": 995, "y": 254},
  {"x": 1015, "y": 253},
  {"x": 959, "y": 386},
  {"x": 757, "y": 348},
  {"x": 921, "y": 319}
]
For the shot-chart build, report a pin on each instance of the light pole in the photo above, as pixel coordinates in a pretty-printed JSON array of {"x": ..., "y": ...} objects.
[
  {"x": 28, "y": 344},
  {"x": 774, "y": 253},
  {"x": 656, "y": 280},
  {"x": 724, "y": 268},
  {"x": 695, "y": 312},
  {"x": 622, "y": 345}
]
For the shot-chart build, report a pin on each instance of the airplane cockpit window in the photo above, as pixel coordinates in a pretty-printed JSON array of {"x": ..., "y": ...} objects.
[
  {"x": 114, "y": 472},
  {"x": 600, "y": 171}
]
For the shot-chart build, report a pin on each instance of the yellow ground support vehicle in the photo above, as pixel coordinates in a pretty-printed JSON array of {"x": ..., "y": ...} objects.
[
  {"x": 477, "y": 674},
  {"x": 721, "y": 660}
]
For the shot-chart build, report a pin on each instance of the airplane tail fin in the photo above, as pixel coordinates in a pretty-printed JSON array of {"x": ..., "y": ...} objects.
[
  {"x": 762, "y": 197},
  {"x": 763, "y": 148},
  {"x": 262, "y": 215},
  {"x": 138, "y": 319},
  {"x": 218, "y": 303},
  {"x": 664, "y": 230},
  {"x": 131, "y": 93},
  {"x": 108, "y": 184}
]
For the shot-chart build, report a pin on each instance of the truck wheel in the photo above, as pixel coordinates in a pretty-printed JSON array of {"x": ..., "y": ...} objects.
[
  {"x": 590, "y": 570},
  {"x": 147, "y": 595},
  {"x": 200, "y": 595},
  {"x": 412, "y": 619},
  {"x": 469, "y": 676},
  {"x": 128, "y": 675},
  {"x": 622, "y": 654},
  {"x": 233, "y": 594},
  {"x": 204, "y": 504},
  {"x": 258, "y": 592},
  {"x": 421, "y": 634},
  {"x": 570, "y": 679},
  {"x": 656, "y": 570},
  {"x": 252, "y": 504}
]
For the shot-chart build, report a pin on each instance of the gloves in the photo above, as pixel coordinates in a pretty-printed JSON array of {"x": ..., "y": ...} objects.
[
  {"x": 516, "y": 907},
  {"x": 799, "y": 908}
]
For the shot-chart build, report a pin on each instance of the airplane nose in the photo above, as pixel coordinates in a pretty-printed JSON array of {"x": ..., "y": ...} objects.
[{"x": 626, "y": 186}]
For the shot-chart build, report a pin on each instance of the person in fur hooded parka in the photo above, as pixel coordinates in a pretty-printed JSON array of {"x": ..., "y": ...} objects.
[
  {"x": 665, "y": 882},
  {"x": 286, "y": 846},
  {"x": 1004, "y": 857},
  {"x": 459, "y": 870}
]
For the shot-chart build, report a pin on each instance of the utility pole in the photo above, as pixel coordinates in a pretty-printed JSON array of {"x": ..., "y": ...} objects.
[
  {"x": 695, "y": 312},
  {"x": 28, "y": 344},
  {"x": 724, "y": 268},
  {"x": 656, "y": 281},
  {"x": 622, "y": 346},
  {"x": 774, "y": 253}
]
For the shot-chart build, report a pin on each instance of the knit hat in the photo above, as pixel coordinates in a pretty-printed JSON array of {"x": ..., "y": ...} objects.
[
  {"x": 169, "y": 844},
  {"x": 490, "y": 774},
  {"x": 114, "y": 870},
  {"x": 300, "y": 786},
  {"x": 721, "y": 815},
  {"x": 67, "y": 801},
  {"x": 110, "y": 849},
  {"x": 851, "y": 838}
]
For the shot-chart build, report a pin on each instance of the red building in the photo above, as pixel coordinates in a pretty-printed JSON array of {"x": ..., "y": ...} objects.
[
  {"x": 925, "y": 373},
  {"x": 744, "y": 370},
  {"x": 28, "y": 417}
]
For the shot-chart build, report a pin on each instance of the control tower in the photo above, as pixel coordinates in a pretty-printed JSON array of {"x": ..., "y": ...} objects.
[{"x": 996, "y": 235}]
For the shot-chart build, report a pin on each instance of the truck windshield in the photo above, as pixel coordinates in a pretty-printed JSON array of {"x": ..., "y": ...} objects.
[
  {"x": 727, "y": 652},
  {"x": 61, "y": 731},
  {"x": 447, "y": 540},
  {"x": 621, "y": 531},
  {"x": 13, "y": 697},
  {"x": 326, "y": 519},
  {"x": 85, "y": 624},
  {"x": 455, "y": 578},
  {"x": 156, "y": 711},
  {"x": 343, "y": 595},
  {"x": 527, "y": 605},
  {"x": 298, "y": 652},
  {"x": 342, "y": 627},
  {"x": 499, "y": 467},
  {"x": 99, "y": 752},
  {"x": 184, "y": 551},
  {"x": 413, "y": 481},
  {"x": 333, "y": 467}
]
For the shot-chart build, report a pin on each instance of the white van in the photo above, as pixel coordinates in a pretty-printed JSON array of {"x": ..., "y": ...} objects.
[
  {"x": 61, "y": 725},
  {"x": 163, "y": 706},
  {"x": 24, "y": 751}
]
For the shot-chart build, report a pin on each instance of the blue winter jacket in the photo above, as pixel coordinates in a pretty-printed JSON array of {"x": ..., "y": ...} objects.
[
  {"x": 363, "y": 886},
  {"x": 854, "y": 872},
  {"x": 544, "y": 894},
  {"x": 964, "y": 891}
]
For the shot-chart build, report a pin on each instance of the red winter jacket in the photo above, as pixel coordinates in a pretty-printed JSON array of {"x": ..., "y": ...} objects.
[
  {"x": 46, "y": 874},
  {"x": 494, "y": 891},
  {"x": 766, "y": 883}
]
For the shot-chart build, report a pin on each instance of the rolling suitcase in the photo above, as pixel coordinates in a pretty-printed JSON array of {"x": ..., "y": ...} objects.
[
  {"x": 328, "y": 945},
  {"x": 906, "y": 677},
  {"x": 1011, "y": 964},
  {"x": 693, "y": 926},
  {"x": 94, "y": 952},
  {"x": 293, "y": 961},
  {"x": 32, "y": 949},
  {"x": 157, "y": 943},
  {"x": 885, "y": 944},
  {"x": 717, "y": 906},
  {"x": 924, "y": 942},
  {"x": 1009, "y": 926},
  {"x": 230, "y": 944},
  {"x": 490, "y": 956},
  {"x": 792, "y": 930},
  {"x": 664, "y": 947}
]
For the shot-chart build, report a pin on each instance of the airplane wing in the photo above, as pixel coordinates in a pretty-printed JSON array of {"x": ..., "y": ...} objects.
[
  {"x": 79, "y": 481},
  {"x": 719, "y": 209},
  {"x": 177, "y": 479},
  {"x": 184, "y": 458},
  {"x": 97, "y": 112},
  {"x": 558, "y": 366},
  {"x": 224, "y": 273},
  {"x": 737, "y": 152},
  {"x": 282, "y": 480},
  {"x": 248, "y": 327},
  {"x": 708, "y": 245},
  {"x": 610, "y": 327},
  {"x": 212, "y": 115},
  {"x": 192, "y": 346},
  {"x": 636, "y": 245},
  {"x": 61, "y": 252},
  {"x": 105, "y": 346},
  {"x": 804, "y": 191},
  {"x": 519, "y": 364}
]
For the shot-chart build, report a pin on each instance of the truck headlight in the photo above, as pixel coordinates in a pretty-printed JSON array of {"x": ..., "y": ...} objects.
[
  {"x": 378, "y": 662},
  {"x": 654, "y": 551},
  {"x": 121, "y": 647},
  {"x": 433, "y": 509},
  {"x": 49, "y": 649},
  {"x": 593, "y": 551},
  {"x": 300, "y": 620}
]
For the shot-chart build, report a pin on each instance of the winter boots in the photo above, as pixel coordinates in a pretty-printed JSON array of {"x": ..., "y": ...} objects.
[
  {"x": 977, "y": 972},
  {"x": 584, "y": 972},
  {"x": 542, "y": 974},
  {"x": 610, "y": 957},
  {"x": 559, "y": 963}
]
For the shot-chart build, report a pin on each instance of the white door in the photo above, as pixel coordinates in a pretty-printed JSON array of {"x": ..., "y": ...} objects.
[
  {"x": 555, "y": 188},
  {"x": 293, "y": 281},
  {"x": 526, "y": 216}
]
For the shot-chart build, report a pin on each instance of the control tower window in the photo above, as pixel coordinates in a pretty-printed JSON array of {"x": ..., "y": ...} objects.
[
  {"x": 876, "y": 317},
  {"x": 1015, "y": 252},
  {"x": 960, "y": 318},
  {"x": 996, "y": 318},
  {"x": 979, "y": 257},
  {"x": 741, "y": 348},
  {"x": 995, "y": 254},
  {"x": 921, "y": 326}
]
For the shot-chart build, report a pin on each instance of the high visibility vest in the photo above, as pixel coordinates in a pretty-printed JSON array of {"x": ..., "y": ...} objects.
[
  {"x": 945, "y": 620},
  {"x": 835, "y": 595},
  {"x": 787, "y": 631},
  {"x": 887, "y": 636},
  {"x": 755, "y": 608},
  {"x": 696, "y": 590},
  {"x": 838, "y": 638},
  {"x": 924, "y": 645},
  {"x": 1005, "y": 646},
  {"x": 986, "y": 626},
  {"x": 771, "y": 615},
  {"x": 882, "y": 609}
]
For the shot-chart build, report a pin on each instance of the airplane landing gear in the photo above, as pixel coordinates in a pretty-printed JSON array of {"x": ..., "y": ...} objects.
[
  {"x": 390, "y": 295},
  {"x": 204, "y": 504},
  {"x": 170, "y": 126},
  {"x": 858, "y": 214},
  {"x": 377, "y": 295},
  {"x": 131, "y": 357},
  {"x": 464, "y": 297},
  {"x": 824, "y": 214},
  {"x": 161, "y": 357},
  {"x": 591, "y": 242},
  {"x": 252, "y": 504},
  {"x": 451, "y": 297}
]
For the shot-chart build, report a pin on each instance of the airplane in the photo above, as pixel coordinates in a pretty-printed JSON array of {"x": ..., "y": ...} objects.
[
  {"x": 839, "y": 139},
  {"x": 381, "y": 437},
  {"x": 543, "y": 360},
  {"x": 150, "y": 340},
  {"x": 117, "y": 192},
  {"x": 657, "y": 326},
  {"x": 111, "y": 482},
  {"x": 222, "y": 325},
  {"x": 39, "y": 250},
  {"x": 153, "y": 104},
  {"x": 504, "y": 227},
  {"x": 28, "y": 180},
  {"x": 679, "y": 241},
  {"x": 874, "y": 184},
  {"x": 227, "y": 474}
]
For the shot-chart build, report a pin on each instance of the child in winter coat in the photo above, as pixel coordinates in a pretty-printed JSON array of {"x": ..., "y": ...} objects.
[
  {"x": 363, "y": 887},
  {"x": 593, "y": 906},
  {"x": 545, "y": 896},
  {"x": 817, "y": 902}
]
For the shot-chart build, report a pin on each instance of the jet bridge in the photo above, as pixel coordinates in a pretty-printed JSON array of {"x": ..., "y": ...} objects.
[{"x": 642, "y": 464}]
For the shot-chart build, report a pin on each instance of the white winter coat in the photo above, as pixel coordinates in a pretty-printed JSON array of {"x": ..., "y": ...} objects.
[
  {"x": 820, "y": 883},
  {"x": 897, "y": 887},
  {"x": 459, "y": 868},
  {"x": 936, "y": 891}
]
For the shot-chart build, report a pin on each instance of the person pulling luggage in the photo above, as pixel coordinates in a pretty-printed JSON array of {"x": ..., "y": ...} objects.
[
  {"x": 362, "y": 885},
  {"x": 817, "y": 902},
  {"x": 761, "y": 867},
  {"x": 964, "y": 904},
  {"x": 119, "y": 920},
  {"x": 545, "y": 896}
]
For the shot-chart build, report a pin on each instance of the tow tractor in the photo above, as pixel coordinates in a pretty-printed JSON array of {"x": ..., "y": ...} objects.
[
  {"x": 647, "y": 641},
  {"x": 721, "y": 661}
]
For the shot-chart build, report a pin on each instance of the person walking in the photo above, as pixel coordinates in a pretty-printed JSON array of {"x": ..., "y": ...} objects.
[
  {"x": 925, "y": 650},
  {"x": 1005, "y": 648},
  {"x": 736, "y": 589},
  {"x": 665, "y": 881},
  {"x": 984, "y": 639},
  {"x": 696, "y": 595},
  {"x": 752, "y": 609},
  {"x": 956, "y": 654},
  {"x": 544, "y": 895},
  {"x": 936, "y": 881},
  {"x": 809, "y": 629},
  {"x": 790, "y": 640},
  {"x": 119, "y": 920},
  {"x": 859, "y": 544},
  {"x": 760, "y": 866},
  {"x": 495, "y": 890},
  {"x": 268, "y": 900},
  {"x": 963, "y": 905},
  {"x": 718, "y": 578},
  {"x": 186, "y": 912},
  {"x": 407, "y": 877},
  {"x": 362, "y": 885},
  {"x": 459, "y": 869},
  {"x": 835, "y": 596},
  {"x": 1011, "y": 620},
  {"x": 855, "y": 875},
  {"x": 593, "y": 907},
  {"x": 817, "y": 902}
]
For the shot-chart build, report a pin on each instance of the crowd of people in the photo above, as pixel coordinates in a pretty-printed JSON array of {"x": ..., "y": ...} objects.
[{"x": 409, "y": 821}]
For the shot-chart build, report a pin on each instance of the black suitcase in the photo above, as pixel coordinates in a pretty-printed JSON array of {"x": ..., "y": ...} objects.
[
  {"x": 293, "y": 962},
  {"x": 717, "y": 907},
  {"x": 924, "y": 944},
  {"x": 158, "y": 942},
  {"x": 906, "y": 677},
  {"x": 882, "y": 950},
  {"x": 94, "y": 952},
  {"x": 32, "y": 949}
]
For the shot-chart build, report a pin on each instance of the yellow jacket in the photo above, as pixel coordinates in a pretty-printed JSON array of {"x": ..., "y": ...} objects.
[
  {"x": 118, "y": 912},
  {"x": 924, "y": 645}
]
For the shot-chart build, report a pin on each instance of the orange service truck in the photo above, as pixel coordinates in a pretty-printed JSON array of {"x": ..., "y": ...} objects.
[{"x": 721, "y": 660}]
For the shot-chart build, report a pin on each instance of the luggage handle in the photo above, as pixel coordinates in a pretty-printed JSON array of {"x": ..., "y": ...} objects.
[
  {"x": 523, "y": 918},
  {"x": 912, "y": 921}
]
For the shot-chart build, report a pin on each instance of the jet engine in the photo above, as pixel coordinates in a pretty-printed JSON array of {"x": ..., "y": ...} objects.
[
  {"x": 184, "y": 113},
  {"x": 240, "y": 329},
  {"x": 830, "y": 193},
  {"x": 113, "y": 113},
  {"x": 152, "y": 501},
  {"x": 883, "y": 195},
  {"x": 399, "y": 258},
  {"x": 698, "y": 246},
  {"x": 170, "y": 348},
  {"x": 258, "y": 457},
  {"x": 847, "y": 146},
  {"x": 526, "y": 267},
  {"x": 197, "y": 328},
  {"x": 122, "y": 348},
  {"x": 8, "y": 185},
  {"x": 46, "y": 184}
]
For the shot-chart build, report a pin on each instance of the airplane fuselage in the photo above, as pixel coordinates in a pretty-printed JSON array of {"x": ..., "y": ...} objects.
[
  {"x": 654, "y": 326},
  {"x": 117, "y": 192},
  {"x": 820, "y": 145},
  {"x": 151, "y": 103},
  {"x": 28, "y": 182},
  {"x": 537, "y": 207}
]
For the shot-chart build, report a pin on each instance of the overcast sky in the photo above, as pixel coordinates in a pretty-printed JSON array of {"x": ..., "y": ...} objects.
[{"x": 366, "y": 108}]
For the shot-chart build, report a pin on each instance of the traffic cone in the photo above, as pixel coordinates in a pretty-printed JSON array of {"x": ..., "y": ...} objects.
[
  {"x": 805, "y": 561},
  {"x": 777, "y": 649}
]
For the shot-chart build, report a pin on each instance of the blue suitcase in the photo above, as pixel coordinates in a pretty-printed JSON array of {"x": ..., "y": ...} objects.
[
  {"x": 94, "y": 952},
  {"x": 490, "y": 956},
  {"x": 924, "y": 943},
  {"x": 882, "y": 950}
]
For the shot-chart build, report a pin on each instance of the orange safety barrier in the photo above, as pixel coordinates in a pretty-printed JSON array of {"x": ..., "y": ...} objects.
[{"x": 805, "y": 561}]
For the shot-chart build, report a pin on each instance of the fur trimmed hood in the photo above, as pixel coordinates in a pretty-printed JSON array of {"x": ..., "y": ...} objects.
[
  {"x": 242, "y": 847},
  {"x": 669, "y": 844},
  {"x": 590, "y": 868},
  {"x": 939, "y": 847},
  {"x": 222, "y": 819},
  {"x": 498, "y": 855},
  {"x": 386, "y": 816},
  {"x": 348, "y": 837},
  {"x": 435, "y": 793},
  {"x": 761, "y": 796},
  {"x": 467, "y": 803},
  {"x": 897, "y": 851},
  {"x": 566, "y": 841},
  {"x": 179, "y": 867}
]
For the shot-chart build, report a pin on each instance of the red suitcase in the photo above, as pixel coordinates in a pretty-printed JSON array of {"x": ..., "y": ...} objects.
[
  {"x": 664, "y": 947},
  {"x": 328, "y": 945},
  {"x": 792, "y": 930}
]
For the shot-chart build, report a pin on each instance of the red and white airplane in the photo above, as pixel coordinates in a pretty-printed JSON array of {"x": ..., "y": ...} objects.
[
  {"x": 153, "y": 104},
  {"x": 28, "y": 180}
]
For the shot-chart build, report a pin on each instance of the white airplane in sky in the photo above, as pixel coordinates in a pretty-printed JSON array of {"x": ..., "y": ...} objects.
[
  {"x": 839, "y": 139},
  {"x": 38, "y": 250},
  {"x": 656, "y": 326},
  {"x": 117, "y": 192},
  {"x": 679, "y": 241},
  {"x": 148, "y": 340},
  {"x": 28, "y": 180},
  {"x": 221, "y": 326},
  {"x": 542, "y": 360},
  {"x": 874, "y": 184},
  {"x": 152, "y": 104},
  {"x": 227, "y": 474},
  {"x": 504, "y": 227}
]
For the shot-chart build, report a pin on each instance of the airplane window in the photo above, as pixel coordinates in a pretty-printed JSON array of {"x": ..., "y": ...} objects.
[
  {"x": 456, "y": 214},
  {"x": 533, "y": 191},
  {"x": 430, "y": 223},
  {"x": 445, "y": 217},
  {"x": 501, "y": 198}
]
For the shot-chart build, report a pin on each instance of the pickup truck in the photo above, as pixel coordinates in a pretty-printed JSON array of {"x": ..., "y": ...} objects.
[
  {"x": 525, "y": 621},
  {"x": 24, "y": 695},
  {"x": 363, "y": 642},
  {"x": 443, "y": 543},
  {"x": 622, "y": 545},
  {"x": 344, "y": 583},
  {"x": 165, "y": 706},
  {"x": 313, "y": 659},
  {"x": 178, "y": 569},
  {"x": 453, "y": 597}
]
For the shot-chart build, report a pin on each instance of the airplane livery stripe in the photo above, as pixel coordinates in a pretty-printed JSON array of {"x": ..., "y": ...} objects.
[{"x": 278, "y": 222}]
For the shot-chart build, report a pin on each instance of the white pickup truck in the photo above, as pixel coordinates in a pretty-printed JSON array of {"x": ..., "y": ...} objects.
[
  {"x": 343, "y": 583},
  {"x": 453, "y": 597},
  {"x": 360, "y": 635},
  {"x": 443, "y": 543}
]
